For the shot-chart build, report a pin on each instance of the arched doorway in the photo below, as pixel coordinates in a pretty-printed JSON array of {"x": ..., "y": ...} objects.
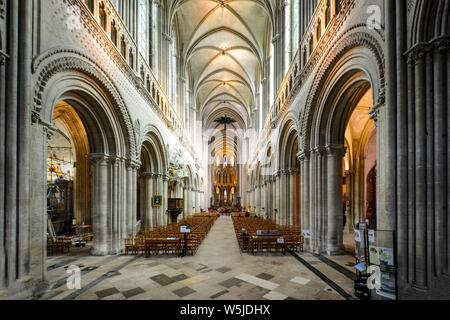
[
  {"x": 80, "y": 106},
  {"x": 69, "y": 172},
  {"x": 290, "y": 197},
  {"x": 85, "y": 181},
  {"x": 359, "y": 191},
  {"x": 153, "y": 183}
]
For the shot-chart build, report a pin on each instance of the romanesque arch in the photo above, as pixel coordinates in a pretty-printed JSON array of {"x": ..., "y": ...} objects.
[
  {"x": 352, "y": 68},
  {"x": 355, "y": 50},
  {"x": 289, "y": 173},
  {"x": 72, "y": 89}
]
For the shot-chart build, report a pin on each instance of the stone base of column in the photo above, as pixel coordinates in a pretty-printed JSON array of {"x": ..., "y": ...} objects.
[
  {"x": 339, "y": 251},
  {"x": 114, "y": 252},
  {"x": 95, "y": 251},
  {"x": 21, "y": 290}
]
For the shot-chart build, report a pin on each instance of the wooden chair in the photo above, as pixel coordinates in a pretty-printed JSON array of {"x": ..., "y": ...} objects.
[
  {"x": 129, "y": 245},
  {"x": 139, "y": 245}
]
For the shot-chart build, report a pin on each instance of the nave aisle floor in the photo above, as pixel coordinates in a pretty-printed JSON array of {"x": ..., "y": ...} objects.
[{"x": 218, "y": 271}]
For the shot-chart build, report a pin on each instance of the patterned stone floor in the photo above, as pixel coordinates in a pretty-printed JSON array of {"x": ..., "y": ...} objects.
[{"x": 218, "y": 271}]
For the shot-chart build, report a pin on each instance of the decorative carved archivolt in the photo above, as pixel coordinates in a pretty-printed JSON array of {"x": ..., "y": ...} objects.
[
  {"x": 56, "y": 65},
  {"x": 349, "y": 41}
]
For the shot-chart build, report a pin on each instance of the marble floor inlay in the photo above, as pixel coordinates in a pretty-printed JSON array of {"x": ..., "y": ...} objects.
[{"x": 219, "y": 271}]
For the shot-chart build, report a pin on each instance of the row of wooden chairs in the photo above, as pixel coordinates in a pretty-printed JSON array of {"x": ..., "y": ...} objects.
[
  {"x": 291, "y": 235},
  {"x": 58, "y": 246},
  {"x": 168, "y": 239}
]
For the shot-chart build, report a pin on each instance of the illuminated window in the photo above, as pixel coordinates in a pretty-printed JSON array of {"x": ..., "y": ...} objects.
[
  {"x": 287, "y": 30},
  {"x": 295, "y": 26},
  {"x": 131, "y": 59},
  {"x": 272, "y": 74},
  {"x": 318, "y": 31},
  {"x": 102, "y": 16},
  {"x": 114, "y": 35},
  {"x": 90, "y": 5},
  {"x": 327, "y": 14},
  {"x": 123, "y": 47},
  {"x": 143, "y": 27}
]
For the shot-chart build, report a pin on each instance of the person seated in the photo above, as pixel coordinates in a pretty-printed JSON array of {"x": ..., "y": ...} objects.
[
  {"x": 239, "y": 215},
  {"x": 244, "y": 233},
  {"x": 255, "y": 215}
]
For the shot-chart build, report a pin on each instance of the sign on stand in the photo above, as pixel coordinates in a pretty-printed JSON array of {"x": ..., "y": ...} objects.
[{"x": 184, "y": 229}]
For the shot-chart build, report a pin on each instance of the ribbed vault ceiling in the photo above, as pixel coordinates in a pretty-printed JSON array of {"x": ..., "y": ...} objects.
[{"x": 224, "y": 44}]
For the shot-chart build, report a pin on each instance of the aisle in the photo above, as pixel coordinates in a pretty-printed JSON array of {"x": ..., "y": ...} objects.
[{"x": 220, "y": 244}]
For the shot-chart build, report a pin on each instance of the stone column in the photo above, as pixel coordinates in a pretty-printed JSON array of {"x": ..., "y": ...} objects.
[
  {"x": 312, "y": 200},
  {"x": 185, "y": 198},
  {"x": 113, "y": 224},
  {"x": 303, "y": 156},
  {"x": 298, "y": 200},
  {"x": 159, "y": 188},
  {"x": 197, "y": 195},
  {"x": 388, "y": 212},
  {"x": 448, "y": 164},
  {"x": 147, "y": 213},
  {"x": 24, "y": 135},
  {"x": 165, "y": 199},
  {"x": 100, "y": 204},
  {"x": 189, "y": 203},
  {"x": 123, "y": 203},
  {"x": 11, "y": 147},
  {"x": 284, "y": 198},
  {"x": 420, "y": 172},
  {"x": 278, "y": 197},
  {"x": 258, "y": 199},
  {"x": 334, "y": 199},
  {"x": 2, "y": 170},
  {"x": 349, "y": 225},
  {"x": 292, "y": 196},
  {"x": 193, "y": 203},
  {"x": 134, "y": 169},
  {"x": 402, "y": 144},
  {"x": 129, "y": 197},
  {"x": 439, "y": 146},
  {"x": 265, "y": 204},
  {"x": 271, "y": 197},
  {"x": 155, "y": 210}
]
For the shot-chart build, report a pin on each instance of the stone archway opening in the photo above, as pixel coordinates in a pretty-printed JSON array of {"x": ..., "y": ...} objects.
[
  {"x": 359, "y": 170},
  {"x": 69, "y": 180},
  {"x": 150, "y": 185}
]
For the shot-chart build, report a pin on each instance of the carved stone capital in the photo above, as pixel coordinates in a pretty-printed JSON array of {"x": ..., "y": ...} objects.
[
  {"x": 441, "y": 44},
  {"x": 374, "y": 113},
  {"x": 319, "y": 151},
  {"x": 336, "y": 150},
  {"x": 114, "y": 161},
  {"x": 147, "y": 175},
  {"x": 132, "y": 164},
  {"x": 98, "y": 159},
  {"x": 303, "y": 155}
]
